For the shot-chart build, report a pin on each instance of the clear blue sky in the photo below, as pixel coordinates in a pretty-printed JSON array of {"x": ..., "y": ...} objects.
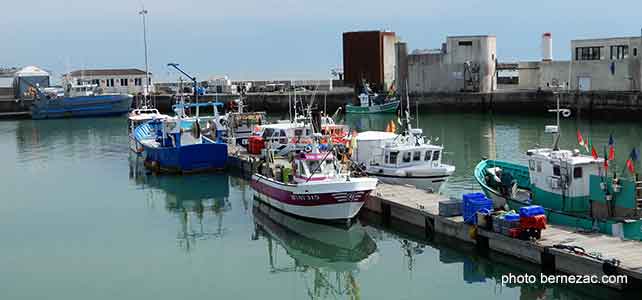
[{"x": 267, "y": 39}]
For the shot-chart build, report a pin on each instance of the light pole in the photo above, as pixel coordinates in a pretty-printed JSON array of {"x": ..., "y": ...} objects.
[{"x": 143, "y": 13}]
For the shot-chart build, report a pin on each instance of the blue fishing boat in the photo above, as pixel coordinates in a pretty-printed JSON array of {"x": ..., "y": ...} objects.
[
  {"x": 84, "y": 100},
  {"x": 179, "y": 145}
]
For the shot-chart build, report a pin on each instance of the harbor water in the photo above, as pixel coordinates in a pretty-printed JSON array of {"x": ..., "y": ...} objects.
[{"x": 80, "y": 218}]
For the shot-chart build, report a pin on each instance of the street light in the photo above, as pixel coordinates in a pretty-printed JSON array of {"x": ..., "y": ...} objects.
[{"x": 143, "y": 13}]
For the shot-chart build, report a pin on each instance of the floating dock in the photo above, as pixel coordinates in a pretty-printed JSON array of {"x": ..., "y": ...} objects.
[{"x": 419, "y": 209}]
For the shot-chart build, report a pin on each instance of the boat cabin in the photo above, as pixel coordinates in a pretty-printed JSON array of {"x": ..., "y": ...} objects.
[
  {"x": 388, "y": 149},
  {"x": 563, "y": 173},
  {"x": 313, "y": 167}
]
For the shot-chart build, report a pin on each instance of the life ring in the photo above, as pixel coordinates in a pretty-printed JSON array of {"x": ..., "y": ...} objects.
[{"x": 308, "y": 148}]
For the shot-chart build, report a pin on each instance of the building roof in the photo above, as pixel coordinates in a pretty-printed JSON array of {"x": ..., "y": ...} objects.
[
  {"x": 106, "y": 72},
  {"x": 31, "y": 71}
]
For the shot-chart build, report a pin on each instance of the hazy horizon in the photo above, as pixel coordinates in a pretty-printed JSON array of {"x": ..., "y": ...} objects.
[{"x": 252, "y": 39}]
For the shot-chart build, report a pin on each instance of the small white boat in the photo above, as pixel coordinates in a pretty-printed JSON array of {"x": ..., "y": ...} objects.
[
  {"x": 407, "y": 158},
  {"x": 318, "y": 188},
  {"x": 137, "y": 117}
]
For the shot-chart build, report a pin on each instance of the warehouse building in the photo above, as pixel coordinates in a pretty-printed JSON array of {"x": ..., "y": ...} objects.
[
  {"x": 370, "y": 56},
  {"x": 462, "y": 64}
]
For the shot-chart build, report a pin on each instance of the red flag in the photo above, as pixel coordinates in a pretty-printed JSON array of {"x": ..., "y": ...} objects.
[
  {"x": 611, "y": 148},
  {"x": 630, "y": 166},
  {"x": 594, "y": 152},
  {"x": 580, "y": 139}
]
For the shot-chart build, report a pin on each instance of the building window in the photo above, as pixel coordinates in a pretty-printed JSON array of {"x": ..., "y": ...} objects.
[
  {"x": 416, "y": 155},
  {"x": 619, "y": 52},
  {"x": 635, "y": 51},
  {"x": 577, "y": 172},
  {"x": 138, "y": 81},
  {"x": 588, "y": 53},
  {"x": 465, "y": 43},
  {"x": 124, "y": 82},
  {"x": 110, "y": 82}
]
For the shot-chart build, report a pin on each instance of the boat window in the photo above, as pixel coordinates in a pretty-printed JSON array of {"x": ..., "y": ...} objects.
[
  {"x": 531, "y": 165},
  {"x": 283, "y": 133},
  {"x": 307, "y": 132},
  {"x": 315, "y": 166},
  {"x": 406, "y": 156},
  {"x": 393, "y": 157},
  {"x": 539, "y": 166},
  {"x": 298, "y": 132},
  {"x": 428, "y": 155},
  {"x": 435, "y": 156},
  {"x": 556, "y": 171},
  {"x": 577, "y": 172},
  {"x": 268, "y": 133},
  {"x": 416, "y": 155}
]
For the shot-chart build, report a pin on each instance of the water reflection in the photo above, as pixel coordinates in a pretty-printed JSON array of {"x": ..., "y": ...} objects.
[
  {"x": 327, "y": 257},
  {"x": 199, "y": 201}
]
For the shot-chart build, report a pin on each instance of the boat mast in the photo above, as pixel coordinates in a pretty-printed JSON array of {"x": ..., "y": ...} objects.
[{"x": 143, "y": 13}]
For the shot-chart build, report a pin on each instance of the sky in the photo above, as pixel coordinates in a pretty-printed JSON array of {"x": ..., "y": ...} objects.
[{"x": 287, "y": 39}]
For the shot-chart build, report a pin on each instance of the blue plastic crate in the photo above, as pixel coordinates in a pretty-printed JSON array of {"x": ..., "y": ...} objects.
[
  {"x": 531, "y": 211},
  {"x": 511, "y": 217},
  {"x": 474, "y": 203}
]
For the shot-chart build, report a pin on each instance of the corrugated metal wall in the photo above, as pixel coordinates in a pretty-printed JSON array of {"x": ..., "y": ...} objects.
[{"x": 363, "y": 58}]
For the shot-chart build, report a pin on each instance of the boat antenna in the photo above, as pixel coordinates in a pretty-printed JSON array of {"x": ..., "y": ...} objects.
[{"x": 565, "y": 112}]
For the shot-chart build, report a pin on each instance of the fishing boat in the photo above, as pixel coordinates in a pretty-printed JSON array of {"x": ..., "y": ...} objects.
[
  {"x": 318, "y": 188},
  {"x": 575, "y": 189},
  {"x": 407, "y": 158},
  {"x": 370, "y": 103},
  {"x": 78, "y": 100},
  {"x": 179, "y": 145},
  {"x": 242, "y": 124}
]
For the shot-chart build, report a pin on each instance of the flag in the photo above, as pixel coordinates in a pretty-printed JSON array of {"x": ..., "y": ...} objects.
[
  {"x": 606, "y": 162},
  {"x": 580, "y": 139},
  {"x": 594, "y": 152},
  {"x": 630, "y": 163},
  {"x": 611, "y": 148},
  {"x": 586, "y": 144}
]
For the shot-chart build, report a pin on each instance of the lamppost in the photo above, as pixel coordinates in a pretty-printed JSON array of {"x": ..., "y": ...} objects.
[{"x": 143, "y": 13}]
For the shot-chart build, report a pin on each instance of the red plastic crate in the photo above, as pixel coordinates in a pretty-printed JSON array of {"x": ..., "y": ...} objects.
[{"x": 534, "y": 222}]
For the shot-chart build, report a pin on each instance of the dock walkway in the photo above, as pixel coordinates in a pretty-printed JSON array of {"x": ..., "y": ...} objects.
[{"x": 421, "y": 208}]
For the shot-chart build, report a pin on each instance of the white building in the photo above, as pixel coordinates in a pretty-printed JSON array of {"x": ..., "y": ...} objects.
[
  {"x": 606, "y": 64},
  {"x": 464, "y": 63},
  {"x": 126, "y": 81}
]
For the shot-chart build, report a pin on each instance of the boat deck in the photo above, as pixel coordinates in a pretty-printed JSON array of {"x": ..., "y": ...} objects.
[{"x": 421, "y": 208}]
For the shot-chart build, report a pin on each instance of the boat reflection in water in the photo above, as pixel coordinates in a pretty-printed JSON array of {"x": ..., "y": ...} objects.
[
  {"x": 326, "y": 256},
  {"x": 198, "y": 201}
]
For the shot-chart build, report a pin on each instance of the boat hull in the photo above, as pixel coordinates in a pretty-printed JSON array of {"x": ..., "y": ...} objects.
[
  {"x": 428, "y": 183},
  {"x": 86, "y": 106},
  {"x": 203, "y": 157},
  {"x": 382, "y": 108},
  {"x": 335, "y": 201}
]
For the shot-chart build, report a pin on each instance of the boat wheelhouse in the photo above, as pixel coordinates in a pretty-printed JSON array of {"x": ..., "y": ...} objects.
[{"x": 402, "y": 159}]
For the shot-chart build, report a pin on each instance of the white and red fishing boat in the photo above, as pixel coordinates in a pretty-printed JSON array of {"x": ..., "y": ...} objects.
[{"x": 313, "y": 186}]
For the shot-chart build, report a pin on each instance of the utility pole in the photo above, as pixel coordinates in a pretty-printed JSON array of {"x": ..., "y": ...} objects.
[{"x": 143, "y": 13}]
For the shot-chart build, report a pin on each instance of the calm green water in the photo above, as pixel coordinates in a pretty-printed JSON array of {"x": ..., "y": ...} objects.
[{"x": 81, "y": 219}]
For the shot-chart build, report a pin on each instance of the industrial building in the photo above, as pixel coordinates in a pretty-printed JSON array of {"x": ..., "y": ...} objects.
[
  {"x": 462, "y": 64},
  {"x": 608, "y": 64},
  {"x": 370, "y": 56},
  {"x": 126, "y": 81}
]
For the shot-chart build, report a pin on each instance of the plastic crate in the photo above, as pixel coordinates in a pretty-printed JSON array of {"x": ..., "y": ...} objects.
[
  {"x": 531, "y": 211},
  {"x": 511, "y": 217},
  {"x": 450, "y": 208},
  {"x": 472, "y": 203}
]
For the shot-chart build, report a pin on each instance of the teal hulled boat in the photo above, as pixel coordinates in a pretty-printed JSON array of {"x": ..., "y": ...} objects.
[
  {"x": 571, "y": 187},
  {"x": 387, "y": 107}
]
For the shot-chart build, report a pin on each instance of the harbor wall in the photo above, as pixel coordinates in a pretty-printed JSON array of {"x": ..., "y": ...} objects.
[{"x": 600, "y": 105}]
